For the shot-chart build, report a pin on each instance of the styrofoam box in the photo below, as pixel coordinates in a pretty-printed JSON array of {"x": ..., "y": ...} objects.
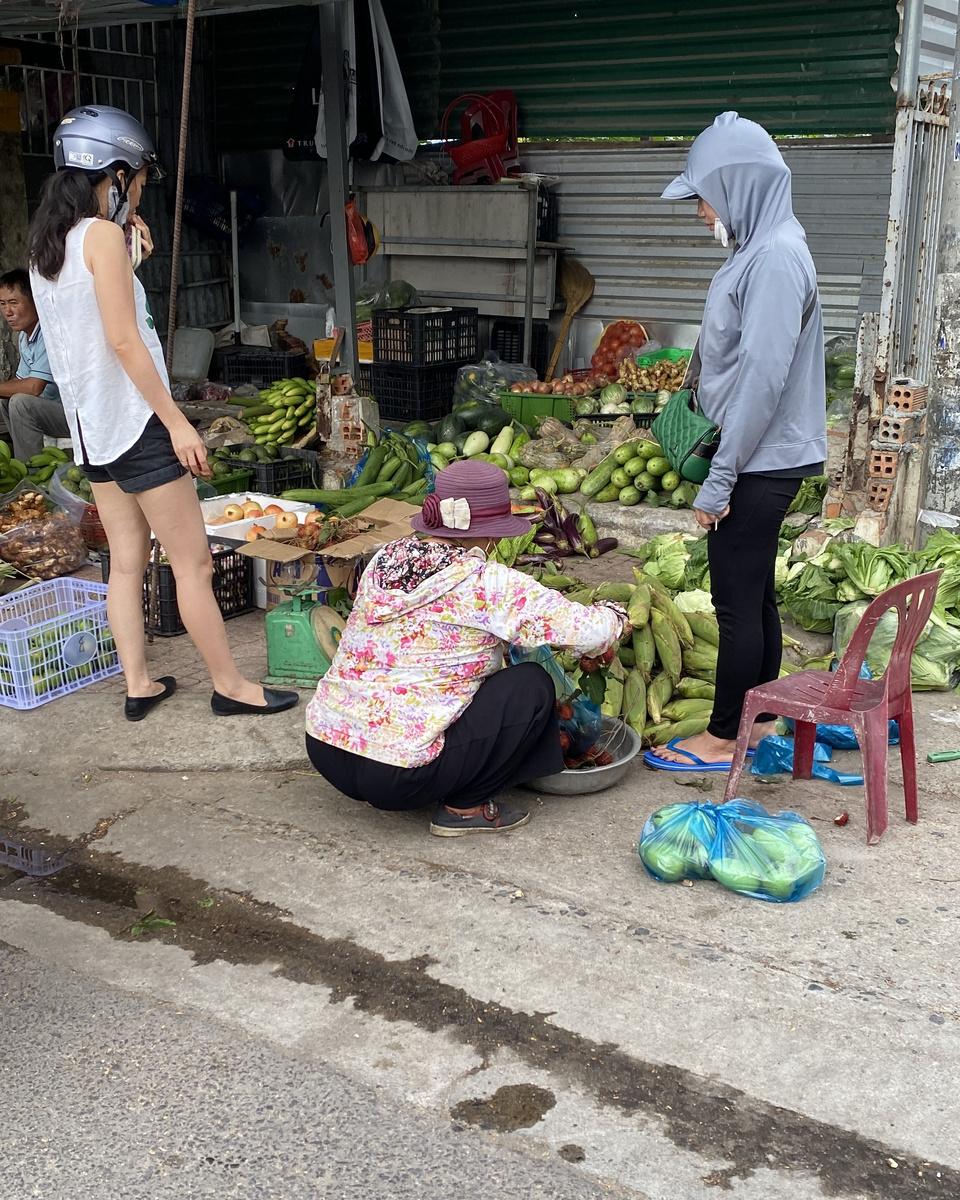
[{"x": 236, "y": 531}]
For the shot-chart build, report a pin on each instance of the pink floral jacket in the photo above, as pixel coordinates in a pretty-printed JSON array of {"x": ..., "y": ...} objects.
[{"x": 430, "y": 623}]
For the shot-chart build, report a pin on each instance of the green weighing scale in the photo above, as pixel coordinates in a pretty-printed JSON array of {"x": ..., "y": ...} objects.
[{"x": 302, "y": 637}]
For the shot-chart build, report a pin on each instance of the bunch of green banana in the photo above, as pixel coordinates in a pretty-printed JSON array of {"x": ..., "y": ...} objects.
[
  {"x": 40, "y": 467},
  {"x": 282, "y": 413},
  {"x": 37, "y": 470},
  {"x": 12, "y": 470}
]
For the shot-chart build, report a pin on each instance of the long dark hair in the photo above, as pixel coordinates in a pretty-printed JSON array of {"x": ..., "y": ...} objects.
[{"x": 66, "y": 198}]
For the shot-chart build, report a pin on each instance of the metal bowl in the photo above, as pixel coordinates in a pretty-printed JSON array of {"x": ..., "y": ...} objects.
[{"x": 624, "y": 746}]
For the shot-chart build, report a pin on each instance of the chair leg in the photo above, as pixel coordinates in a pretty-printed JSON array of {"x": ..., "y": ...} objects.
[
  {"x": 908, "y": 760},
  {"x": 871, "y": 730},
  {"x": 804, "y": 740},
  {"x": 750, "y": 713}
]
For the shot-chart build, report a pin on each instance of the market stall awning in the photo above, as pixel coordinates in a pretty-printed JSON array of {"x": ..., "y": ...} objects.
[{"x": 19, "y": 17}]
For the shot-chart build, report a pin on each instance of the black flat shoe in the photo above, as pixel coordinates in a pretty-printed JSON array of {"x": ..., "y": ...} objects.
[
  {"x": 277, "y": 702},
  {"x": 135, "y": 708}
]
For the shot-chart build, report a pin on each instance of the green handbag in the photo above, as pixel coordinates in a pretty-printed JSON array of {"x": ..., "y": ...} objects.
[{"x": 688, "y": 440}]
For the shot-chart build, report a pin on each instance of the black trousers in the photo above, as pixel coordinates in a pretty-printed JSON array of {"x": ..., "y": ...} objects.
[
  {"x": 509, "y": 734},
  {"x": 742, "y": 553}
]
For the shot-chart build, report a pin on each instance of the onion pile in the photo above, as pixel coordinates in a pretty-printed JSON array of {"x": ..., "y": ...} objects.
[{"x": 567, "y": 386}]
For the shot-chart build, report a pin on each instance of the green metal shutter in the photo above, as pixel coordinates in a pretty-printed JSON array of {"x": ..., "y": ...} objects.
[{"x": 648, "y": 68}]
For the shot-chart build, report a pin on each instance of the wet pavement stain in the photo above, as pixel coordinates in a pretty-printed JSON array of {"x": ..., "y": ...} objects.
[
  {"x": 514, "y": 1106},
  {"x": 710, "y": 1119}
]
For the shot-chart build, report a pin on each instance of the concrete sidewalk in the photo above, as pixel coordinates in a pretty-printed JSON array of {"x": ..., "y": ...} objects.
[{"x": 669, "y": 1039}]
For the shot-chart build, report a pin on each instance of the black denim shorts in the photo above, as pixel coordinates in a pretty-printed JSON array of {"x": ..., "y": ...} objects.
[{"x": 149, "y": 463}]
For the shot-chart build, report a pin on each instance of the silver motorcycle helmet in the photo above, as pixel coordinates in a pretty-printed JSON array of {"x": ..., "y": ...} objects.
[{"x": 99, "y": 139}]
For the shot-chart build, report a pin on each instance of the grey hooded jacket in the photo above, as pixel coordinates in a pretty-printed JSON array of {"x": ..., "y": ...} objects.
[{"x": 761, "y": 369}]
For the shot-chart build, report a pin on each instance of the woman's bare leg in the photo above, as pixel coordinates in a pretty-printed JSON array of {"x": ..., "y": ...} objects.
[
  {"x": 129, "y": 536},
  {"x": 173, "y": 513}
]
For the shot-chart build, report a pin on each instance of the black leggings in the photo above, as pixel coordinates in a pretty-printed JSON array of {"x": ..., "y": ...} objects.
[
  {"x": 508, "y": 734},
  {"x": 742, "y": 553}
]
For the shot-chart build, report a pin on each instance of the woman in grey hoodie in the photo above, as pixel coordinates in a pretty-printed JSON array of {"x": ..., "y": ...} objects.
[{"x": 759, "y": 375}]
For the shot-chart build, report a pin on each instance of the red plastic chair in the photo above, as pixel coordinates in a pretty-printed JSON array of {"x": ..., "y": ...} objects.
[{"x": 811, "y": 698}]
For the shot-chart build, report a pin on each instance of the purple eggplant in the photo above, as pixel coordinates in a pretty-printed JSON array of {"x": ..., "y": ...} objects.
[{"x": 603, "y": 546}]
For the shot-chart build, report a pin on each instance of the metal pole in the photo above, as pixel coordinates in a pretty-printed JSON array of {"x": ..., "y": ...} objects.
[
  {"x": 943, "y": 436},
  {"x": 235, "y": 247},
  {"x": 333, "y": 57},
  {"x": 181, "y": 172},
  {"x": 911, "y": 36},
  {"x": 532, "y": 197}
]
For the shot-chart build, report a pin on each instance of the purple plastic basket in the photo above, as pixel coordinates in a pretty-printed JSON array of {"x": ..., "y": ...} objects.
[{"x": 54, "y": 639}]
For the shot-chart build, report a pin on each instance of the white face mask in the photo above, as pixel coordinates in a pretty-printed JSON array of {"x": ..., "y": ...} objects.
[{"x": 720, "y": 233}]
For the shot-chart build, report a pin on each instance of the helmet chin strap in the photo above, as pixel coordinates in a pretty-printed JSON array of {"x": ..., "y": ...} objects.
[{"x": 121, "y": 189}]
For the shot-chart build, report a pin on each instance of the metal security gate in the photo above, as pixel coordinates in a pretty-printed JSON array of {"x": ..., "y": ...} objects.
[
  {"x": 906, "y": 335},
  {"x": 112, "y": 65}
]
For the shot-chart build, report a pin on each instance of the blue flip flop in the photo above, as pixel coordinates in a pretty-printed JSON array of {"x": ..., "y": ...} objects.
[{"x": 694, "y": 766}]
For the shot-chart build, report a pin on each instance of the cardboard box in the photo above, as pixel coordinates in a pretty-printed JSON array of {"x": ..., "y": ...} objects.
[
  {"x": 236, "y": 531},
  {"x": 338, "y": 566}
]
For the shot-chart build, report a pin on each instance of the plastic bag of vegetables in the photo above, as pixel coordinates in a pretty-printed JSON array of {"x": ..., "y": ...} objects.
[
  {"x": 936, "y": 658},
  {"x": 675, "y": 841},
  {"x": 769, "y": 857},
  {"x": 487, "y": 379}
]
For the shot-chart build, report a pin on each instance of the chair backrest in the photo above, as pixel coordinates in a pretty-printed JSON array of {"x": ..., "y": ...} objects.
[{"x": 913, "y": 599}]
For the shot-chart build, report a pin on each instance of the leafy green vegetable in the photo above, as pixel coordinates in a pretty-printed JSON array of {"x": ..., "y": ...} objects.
[
  {"x": 809, "y": 499},
  {"x": 694, "y": 601},
  {"x": 936, "y": 660},
  {"x": 873, "y": 570},
  {"x": 696, "y": 574},
  {"x": 666, "y": 557},
  {"x": 810, "y": 596}
]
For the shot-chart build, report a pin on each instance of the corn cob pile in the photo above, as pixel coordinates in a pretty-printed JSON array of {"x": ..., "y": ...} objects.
[{"x": 662, "y": 680}]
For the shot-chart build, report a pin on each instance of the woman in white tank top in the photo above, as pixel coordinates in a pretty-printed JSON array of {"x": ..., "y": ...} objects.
[{"x": 140, "y": 452}]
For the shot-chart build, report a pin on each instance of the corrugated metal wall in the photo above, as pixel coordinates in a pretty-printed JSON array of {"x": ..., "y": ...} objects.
[
  {"x": 619, "y": 68},
  {"x": 939, "y": 36},
  {"x": 653, "y": 259}
]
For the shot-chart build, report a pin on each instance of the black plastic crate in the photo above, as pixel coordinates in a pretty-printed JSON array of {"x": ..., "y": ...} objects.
[
  {"x": 413, "y": 393},
  {"x": 425, "y": 337},
  {"x": 233, "y": 583},
  {"x": 237, "y": 365},
  {"x": 294, "y": 469},
  {"x": 506, "y": 339},
  {"x": 548, "y": 215}
]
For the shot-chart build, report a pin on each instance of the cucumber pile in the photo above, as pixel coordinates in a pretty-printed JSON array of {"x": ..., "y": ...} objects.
[
  {"x": 638, "y": 471},
  {"x": 392, "y": 467},
  {"x": 282, "y": 413}
]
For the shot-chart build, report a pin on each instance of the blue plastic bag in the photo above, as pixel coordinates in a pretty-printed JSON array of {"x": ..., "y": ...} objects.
[
  {"x": 749, "y": 851},
  {"x": 675, "y": 841},
  {"x": 421, "y": 448},
  {"x": 774, "y": 756},
  {"x": 580, "y": 719},
  {"x": 842, "y": 737},
  {"x": 769, "y": 857}
]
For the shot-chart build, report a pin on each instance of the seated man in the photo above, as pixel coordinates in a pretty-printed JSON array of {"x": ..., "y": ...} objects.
[{"x": 30, "y": 403}]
